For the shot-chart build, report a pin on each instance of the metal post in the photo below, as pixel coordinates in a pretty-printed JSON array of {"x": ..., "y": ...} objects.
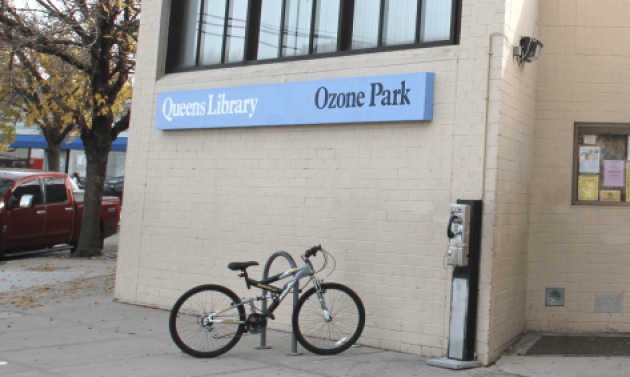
[
  {"x": 296, "y": 289},
  {"x": 263, "y": 334}
]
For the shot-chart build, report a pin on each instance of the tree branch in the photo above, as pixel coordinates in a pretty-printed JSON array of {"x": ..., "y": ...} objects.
[
  {"x": 57, "y": 139},
  {"x": 121, "y": 124},
  {"x": 55, "y": 12},
  {"x": 30, "y": 37}
]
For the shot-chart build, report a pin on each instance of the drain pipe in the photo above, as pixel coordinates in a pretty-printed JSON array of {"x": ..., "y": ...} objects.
[{"x": 485, "y": 132}]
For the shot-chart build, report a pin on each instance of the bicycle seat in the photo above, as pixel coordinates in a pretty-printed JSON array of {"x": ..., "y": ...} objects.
[{"x": 241, "y": 265}]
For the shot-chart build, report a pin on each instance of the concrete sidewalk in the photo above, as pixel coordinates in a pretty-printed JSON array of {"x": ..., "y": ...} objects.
[
  {"x": 73, "y": 328},
  {"x": 81, "y": 338}
]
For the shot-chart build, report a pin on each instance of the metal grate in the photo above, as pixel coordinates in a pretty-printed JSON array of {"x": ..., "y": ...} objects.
[
  {"x": 581, "y": 346},
  {"x": 608, "y": 303},
  {"x": 554, "y": 296}
]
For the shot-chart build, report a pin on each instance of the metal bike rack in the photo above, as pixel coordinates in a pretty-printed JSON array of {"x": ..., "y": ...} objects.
[{"x": 296, "y": 289}]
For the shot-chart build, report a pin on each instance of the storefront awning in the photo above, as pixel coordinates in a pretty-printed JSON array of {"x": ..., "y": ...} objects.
[{"x": 28, "y": 141}]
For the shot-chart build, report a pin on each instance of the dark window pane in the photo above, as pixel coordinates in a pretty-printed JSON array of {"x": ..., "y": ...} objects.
[
  {"x": 235, "y": 38},
  {"x": 5, "y": 184},
  {"x": 326, "y": 26},
  {"x": 399, "y": 21},
  {"x": 436, "y": 20},
  {"x": 55, "y": 190},
  {"x": 297, "y": 27},
  {"x": 367, "y": 15},
  {"x": 184, "y": 54},
  {"x": 212, "y": 30},
  {"x": 269, "y": 39},
  {"x": 30, "y": 187},
  {"x": 217, "y": 33}
]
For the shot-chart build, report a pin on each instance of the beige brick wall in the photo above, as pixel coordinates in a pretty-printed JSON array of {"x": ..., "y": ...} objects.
[
  {"x": 584, "y": 76},
  {"x": 514, "y": 163},
  {"x": 375, "y": 195}
]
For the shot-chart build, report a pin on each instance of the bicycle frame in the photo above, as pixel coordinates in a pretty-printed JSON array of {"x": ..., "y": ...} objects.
[
  {"x": 297, "y": 273},
  {"x": 208, "y": 320}
]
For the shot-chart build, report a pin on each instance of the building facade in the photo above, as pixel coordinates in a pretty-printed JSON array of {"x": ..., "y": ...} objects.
[
  {"x": 29, "y": 151},
  {"x": 377, "y": 194}
]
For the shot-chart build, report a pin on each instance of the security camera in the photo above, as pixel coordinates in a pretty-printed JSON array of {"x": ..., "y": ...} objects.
[{"x": 528, "y": 50}]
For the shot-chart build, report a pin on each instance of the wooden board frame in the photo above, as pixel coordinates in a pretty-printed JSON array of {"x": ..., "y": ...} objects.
[{"x": 597, "y": 129}]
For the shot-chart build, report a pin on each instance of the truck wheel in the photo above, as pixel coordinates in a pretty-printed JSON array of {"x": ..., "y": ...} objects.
[{"x": 73, "y": 247}]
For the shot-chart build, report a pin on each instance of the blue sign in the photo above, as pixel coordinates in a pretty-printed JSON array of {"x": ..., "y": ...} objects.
[{"x": 392, "y": 98}]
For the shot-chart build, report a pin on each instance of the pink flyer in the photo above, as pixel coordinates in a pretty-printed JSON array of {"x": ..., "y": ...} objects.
[{"x": 614, "y": 173}]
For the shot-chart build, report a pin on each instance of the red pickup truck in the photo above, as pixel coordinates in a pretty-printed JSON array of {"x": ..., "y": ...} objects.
[{"x": 40, "y": 209}]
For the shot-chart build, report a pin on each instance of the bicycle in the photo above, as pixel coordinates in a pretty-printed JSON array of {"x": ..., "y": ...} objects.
[{"x": 209, "y": 320}]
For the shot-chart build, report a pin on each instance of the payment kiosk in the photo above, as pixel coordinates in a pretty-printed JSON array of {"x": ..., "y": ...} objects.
[{"x": 464, "y": 248}]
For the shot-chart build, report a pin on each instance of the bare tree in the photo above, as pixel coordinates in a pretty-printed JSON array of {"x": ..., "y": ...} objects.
[{"x": 96, "y": 39}]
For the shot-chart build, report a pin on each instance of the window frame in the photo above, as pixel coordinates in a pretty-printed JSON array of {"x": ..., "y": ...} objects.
[
  {"x": 8, "y": 189},
  {"x": 344, "y": 39},
  {"x": 20, "y": 183},
  {"x": 46, "y": 191},
  {"x": 598, "y": 129}
]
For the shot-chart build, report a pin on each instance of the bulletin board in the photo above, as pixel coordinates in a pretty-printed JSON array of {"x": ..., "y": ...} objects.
[{"x": 601, "y": 165}]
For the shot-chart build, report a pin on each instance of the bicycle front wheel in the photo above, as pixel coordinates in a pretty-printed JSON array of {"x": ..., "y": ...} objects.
[
  {"x": 345, "y": 324},
  {"x": 190, "y": 318}
]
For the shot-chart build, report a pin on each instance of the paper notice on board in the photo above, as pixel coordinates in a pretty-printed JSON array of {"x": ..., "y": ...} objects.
[
  {"x": 610, "y": 196},
  {"x": 590, "y": 139},
  {"x": 614, "y": 173},
  {"x": 589, "y": 159},
  {"x": 588, "y": 188}
]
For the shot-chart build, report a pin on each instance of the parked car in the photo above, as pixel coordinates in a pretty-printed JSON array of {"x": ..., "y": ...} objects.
[
  {"x": 113, "y": 186},
  {"x": 80, "y": 182},
  {"x": 41, "y": 209}
]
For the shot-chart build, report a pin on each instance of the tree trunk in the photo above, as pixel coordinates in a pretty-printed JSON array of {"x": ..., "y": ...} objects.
[
  {"x": 97, "y": 146},
  {"x": 53, "y": 152}
]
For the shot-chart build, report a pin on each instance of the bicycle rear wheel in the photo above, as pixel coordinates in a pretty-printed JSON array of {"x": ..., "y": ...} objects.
[
  {"x": 188, "y": 321},
  {"x": 342, "y": 331}
]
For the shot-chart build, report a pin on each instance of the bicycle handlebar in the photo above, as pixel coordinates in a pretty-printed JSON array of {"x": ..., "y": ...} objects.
[{"x": 312, "y": 251}]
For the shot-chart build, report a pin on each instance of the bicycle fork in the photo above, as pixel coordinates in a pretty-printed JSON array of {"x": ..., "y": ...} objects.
[{"x": 322, "y": 303}]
